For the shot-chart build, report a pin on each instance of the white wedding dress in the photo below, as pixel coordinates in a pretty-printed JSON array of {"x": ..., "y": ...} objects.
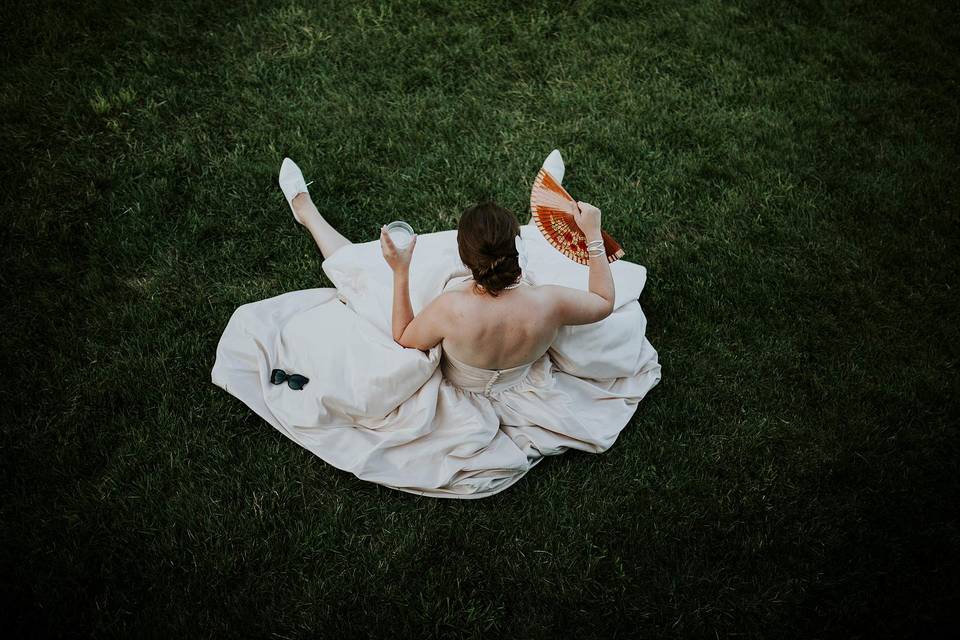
[{"x": 428, "y": 423}]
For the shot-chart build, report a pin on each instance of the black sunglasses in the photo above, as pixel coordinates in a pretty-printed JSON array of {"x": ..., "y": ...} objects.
[{"x": 294, "y": 380}]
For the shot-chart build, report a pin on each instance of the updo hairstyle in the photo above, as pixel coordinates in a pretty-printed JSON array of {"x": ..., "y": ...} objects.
[{"x": 485, "y": 237}]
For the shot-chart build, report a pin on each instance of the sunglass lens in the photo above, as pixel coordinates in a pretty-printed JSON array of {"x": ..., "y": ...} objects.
[
  {"x": 277, "y": 376},
  {"x": 297, "y": 381}
]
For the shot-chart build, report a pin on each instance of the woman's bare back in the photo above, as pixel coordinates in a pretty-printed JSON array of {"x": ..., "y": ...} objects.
[{"x": 512, "y": 329}]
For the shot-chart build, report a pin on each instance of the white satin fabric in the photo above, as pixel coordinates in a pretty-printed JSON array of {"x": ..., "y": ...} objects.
[{"x": 427, "y": 423}]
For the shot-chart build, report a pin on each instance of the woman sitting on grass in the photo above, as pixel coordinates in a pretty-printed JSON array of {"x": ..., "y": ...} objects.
[{"x": 506, "y": 379}]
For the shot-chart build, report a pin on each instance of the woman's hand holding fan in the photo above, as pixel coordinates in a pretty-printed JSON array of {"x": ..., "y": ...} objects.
[{"x": 587, "y": 218}]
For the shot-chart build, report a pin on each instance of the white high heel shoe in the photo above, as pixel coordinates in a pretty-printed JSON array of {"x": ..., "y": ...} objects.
[
  {"x": 554, "y": 164},
  {"x": 292, "y": 183}
]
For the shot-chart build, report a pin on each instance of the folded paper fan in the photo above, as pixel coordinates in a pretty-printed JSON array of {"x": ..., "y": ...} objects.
[{"x": 553, "y": 209}]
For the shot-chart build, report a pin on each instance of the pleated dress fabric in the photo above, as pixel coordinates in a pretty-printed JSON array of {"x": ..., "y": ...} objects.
[{"x": 427, "y": 423}]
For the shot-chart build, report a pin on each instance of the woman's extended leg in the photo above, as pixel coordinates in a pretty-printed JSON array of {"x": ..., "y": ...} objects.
[{"x": 326, "y": 237}]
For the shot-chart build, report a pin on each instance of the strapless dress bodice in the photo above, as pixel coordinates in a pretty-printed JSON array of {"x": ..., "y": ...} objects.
[{"x": 479, "y": 379}]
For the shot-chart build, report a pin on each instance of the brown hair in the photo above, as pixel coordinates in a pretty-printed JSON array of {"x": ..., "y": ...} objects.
[{"x": 485, "y": 237}]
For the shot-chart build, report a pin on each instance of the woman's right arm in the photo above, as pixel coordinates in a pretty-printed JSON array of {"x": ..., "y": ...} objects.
[{"x": 575, "y": 306}]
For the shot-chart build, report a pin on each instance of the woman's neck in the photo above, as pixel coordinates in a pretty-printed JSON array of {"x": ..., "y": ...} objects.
[{"x": 481, "y": 291}]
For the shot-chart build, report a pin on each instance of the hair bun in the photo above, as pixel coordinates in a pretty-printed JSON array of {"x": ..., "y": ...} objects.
[
  {"x": 485, "y": 240},
  {"x": 492, "y": 266},
  {"x": 499, "y": 274}
]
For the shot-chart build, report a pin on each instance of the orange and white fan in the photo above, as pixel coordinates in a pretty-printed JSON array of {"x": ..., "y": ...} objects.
[{"x": 553, "y": 208}]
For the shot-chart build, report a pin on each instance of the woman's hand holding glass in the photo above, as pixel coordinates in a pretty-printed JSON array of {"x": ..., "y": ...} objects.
[{"x": 397, "y": 258}]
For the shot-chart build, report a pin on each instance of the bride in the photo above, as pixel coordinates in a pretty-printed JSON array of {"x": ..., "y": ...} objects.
[
  {"x": 494, "y": 323},
  {"x": 448, "y": 371}
]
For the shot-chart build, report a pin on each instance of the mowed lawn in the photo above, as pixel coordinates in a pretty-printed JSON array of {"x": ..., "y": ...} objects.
[{"x": 786, "y": 171}]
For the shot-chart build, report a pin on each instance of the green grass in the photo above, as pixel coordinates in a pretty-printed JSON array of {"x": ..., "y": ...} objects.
[{"x": 788, "y": 173}]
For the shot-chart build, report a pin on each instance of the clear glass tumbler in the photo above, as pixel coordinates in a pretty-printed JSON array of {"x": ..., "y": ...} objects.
[{"x": 400, "y": 232}]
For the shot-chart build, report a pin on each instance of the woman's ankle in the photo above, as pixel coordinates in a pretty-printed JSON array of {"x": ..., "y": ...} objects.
[{"x": 303, "y": 208}]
